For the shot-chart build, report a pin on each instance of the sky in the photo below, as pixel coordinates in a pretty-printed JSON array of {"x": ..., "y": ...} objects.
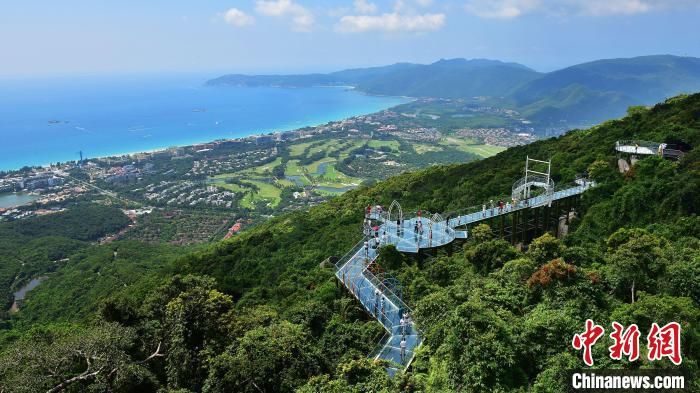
[{"x": 78, "y": 37}]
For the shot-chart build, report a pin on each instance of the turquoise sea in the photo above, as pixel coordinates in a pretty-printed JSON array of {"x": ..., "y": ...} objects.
[{"x": 50, "y": 120}]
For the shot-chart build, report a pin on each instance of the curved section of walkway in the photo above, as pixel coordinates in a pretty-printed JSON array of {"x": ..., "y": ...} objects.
[
  {"x": 382, "y": 303},
  {"x": 378, "y": 296}
]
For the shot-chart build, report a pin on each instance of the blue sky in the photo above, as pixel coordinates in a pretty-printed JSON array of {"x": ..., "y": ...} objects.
[{"x": 73, "y": 37}]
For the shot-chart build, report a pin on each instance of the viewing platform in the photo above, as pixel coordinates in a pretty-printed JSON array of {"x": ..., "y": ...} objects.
[
  {"x": 381, "y": 295},
  {"x": 647, "y": 148}
]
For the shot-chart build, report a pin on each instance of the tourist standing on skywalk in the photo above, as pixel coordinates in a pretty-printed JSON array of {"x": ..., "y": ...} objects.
[
  {"x": 402, "y": 346},
  {"x": 382, "y": 306},
  {"x": 376, "y": 302}
]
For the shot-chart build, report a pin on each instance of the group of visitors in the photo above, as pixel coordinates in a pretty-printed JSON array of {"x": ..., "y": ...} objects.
[{"x": 503, "y": 207}]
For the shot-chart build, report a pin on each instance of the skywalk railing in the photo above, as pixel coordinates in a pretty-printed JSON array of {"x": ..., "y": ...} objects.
[
  {"x": 380, "y": 345},
  {"x": 485, "y": 211},
  {"x": 345, "y": 258},
  {"x": 391, "y": 320},
  {"x": 638, "y": 143},
  {"x": 542, "y": 181}
]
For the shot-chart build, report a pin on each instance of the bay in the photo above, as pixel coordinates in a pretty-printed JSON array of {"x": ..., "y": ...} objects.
[{"x": 50, "y": 120}]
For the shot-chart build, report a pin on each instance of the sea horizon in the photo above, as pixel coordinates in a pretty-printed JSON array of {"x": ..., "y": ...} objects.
[{"x": 49, "y": 120}]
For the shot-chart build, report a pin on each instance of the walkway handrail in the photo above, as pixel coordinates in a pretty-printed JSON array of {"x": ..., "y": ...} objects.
[
  {"x": 571, "y": 189},
  {"x": 385, "y": 290},
  {"x": 637, "y": 142},
  {"x": 380, "y": 345},
  {"x": 532, "y": 180},
  {"x": 639, "y": 147},
  {"x": 348, "y": 255}
]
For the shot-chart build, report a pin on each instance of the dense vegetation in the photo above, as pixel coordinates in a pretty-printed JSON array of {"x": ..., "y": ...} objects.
[
  {"x": 258, "y": 313},
  {"x": 588, "y": 93},
  {"x": 39, "y": 244}
]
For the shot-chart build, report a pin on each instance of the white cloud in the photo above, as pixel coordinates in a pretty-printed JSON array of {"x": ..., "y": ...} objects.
[
  {"x": 238, "y": 18},
  {"x": 365, "y": 7},
  {"x": 391, "y": 22},
  {"x": 506, "y": 9},
  {"x": 603, "y": 7},
  {"x": 302, "y": 18},
  {"x": 502, "y": 9}
]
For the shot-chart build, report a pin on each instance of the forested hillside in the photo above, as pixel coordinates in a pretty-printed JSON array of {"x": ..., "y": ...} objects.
[
  {"x": 39, "y": 244},
  {"x": 581, "y": 94},
  {"x": 604, "y": 88},
  {"x": 258, "y": 313},
  {"x": 455, "y": 78}
]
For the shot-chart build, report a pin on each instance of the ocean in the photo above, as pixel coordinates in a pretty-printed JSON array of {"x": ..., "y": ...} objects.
[{"x": 51, "y": 120}]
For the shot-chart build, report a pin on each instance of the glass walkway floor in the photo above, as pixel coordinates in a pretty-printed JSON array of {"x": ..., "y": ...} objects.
[{"x": 379, "y": 297}]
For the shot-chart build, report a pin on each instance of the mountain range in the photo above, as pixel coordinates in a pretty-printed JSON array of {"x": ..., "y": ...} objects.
[{"x": 582, "y": 94}]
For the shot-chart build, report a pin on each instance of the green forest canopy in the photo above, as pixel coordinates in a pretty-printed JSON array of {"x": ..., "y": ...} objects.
[{"x": 257, "y": 312}]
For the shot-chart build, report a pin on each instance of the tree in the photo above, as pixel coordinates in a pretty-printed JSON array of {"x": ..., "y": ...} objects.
[
  {"x": 356, "y": 376},
  {"x": 195, "y": 329},
  {"x": 481, "y": 233},
  {"x": 390, "y": 257},
  {"x": 490, "y": 255},
  {"x": 480, "y": 350},
  {"x": 552, "y": 273},
  {"x": 682, "y": 278},
  {"x": 601, "y": 171},
  {"x": 276, "y": 358},
  {"x": 635, "y": 259},
  {"x": 545, "y": 248},
  {"x": 61, "y": 357}
]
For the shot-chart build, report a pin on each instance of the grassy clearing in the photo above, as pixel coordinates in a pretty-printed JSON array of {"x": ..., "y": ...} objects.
[
  {"x": 347, "y": 148},
  {"x": 375, "y": 144},
  {"x": 487, "y": 150},
  {"x": 267, "y": 192},
  {"x": 467, "y": 145},
  {"x": 327, "y": 147},
  {"x": 297, "y": 149},
  {"x": 331, "y": 172},
  {"x": 230, "y": 187},
  {"x": 265, "y": 169},
  {"x": 327, "y": 192},
  {"x": 293, "y": 168},
  {"x": 421, "y": 148},
  {"x": 335, "y": 178}
]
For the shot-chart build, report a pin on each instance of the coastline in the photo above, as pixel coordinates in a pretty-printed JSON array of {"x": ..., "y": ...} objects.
[
  {"x": 289, "y": 126},
  {"x": 201, "y": 142}
]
